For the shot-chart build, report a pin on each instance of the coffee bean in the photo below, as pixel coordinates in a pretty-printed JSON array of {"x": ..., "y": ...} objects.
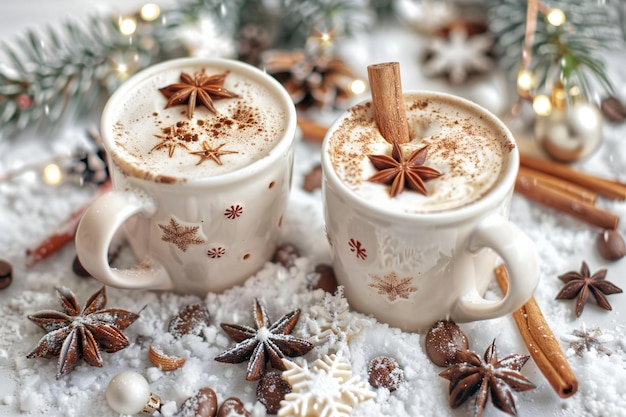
[
  {"x": 443, "y": 341},
  {"x": 203, "y": 404},
  {"x": 327, "y": 280},
  {"x": 6, "y": 274},
  {"x": 313, "y": 180},
  {"x": 611, "y": 245},
  {"x": 613, "y": 109},
  {"x": 286, "y": 254},
  {"x": 232, "y": 407},
  {"x": 271, "y": 391},
  {"x": 384, "y": 372}
]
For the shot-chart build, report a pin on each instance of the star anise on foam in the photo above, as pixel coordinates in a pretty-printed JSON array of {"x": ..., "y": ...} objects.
[
  {"x": 487, "y": 376},
  {"x": 268, "y": 342},
  {"x": 398, "y": 171},
  {"x": 201, "y": 89},
  {"x": 81, "y": 333},
  {"x": 581, "y": 284}
]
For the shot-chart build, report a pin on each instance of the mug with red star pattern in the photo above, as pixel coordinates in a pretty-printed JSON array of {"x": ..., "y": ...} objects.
[
  {"x": 416, "y": 228},
  {"x": 200, "y": 153}
]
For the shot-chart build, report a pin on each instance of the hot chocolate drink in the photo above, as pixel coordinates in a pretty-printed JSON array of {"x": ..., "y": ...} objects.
[
  {"x": 469, "y": 151},
  {"x": 158, "y": 136}
]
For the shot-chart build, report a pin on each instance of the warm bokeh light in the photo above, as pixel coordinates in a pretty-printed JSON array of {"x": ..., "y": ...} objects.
[
  {"x": 128, "y": 25},
  {"x": 542, "y": 105},
  {"x": 525, "y": 81},
  {"x": 555, "y": 17},
  {"x": 150, "y": 12},
  {"x": 358, "y": 87},
  {"x": 52, "y": 174}
]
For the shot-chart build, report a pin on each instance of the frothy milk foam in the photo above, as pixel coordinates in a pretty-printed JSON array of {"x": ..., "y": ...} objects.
[
  {"x": 464, "y": 146},
  {"x": 165, "y": 145}
]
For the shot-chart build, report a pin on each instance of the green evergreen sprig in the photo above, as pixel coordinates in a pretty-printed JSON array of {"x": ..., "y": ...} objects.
[{"x": 571, "y": 53}]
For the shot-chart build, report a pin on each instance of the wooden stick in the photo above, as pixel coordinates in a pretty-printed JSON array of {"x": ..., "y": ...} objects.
[
  {"x": 388, "y": 102},
  {"x": 541, "y": 343},
  {"x": 565, "y": 203},
  {"x": 580, "y": 193},
  {"x": 63, "y": 234},
  {"x": 311, "y": 131},
  {"x": 607, "y": 188}
]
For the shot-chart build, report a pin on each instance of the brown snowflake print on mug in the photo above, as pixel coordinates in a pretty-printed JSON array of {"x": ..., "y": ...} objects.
[{"x": 192, "y": 144}]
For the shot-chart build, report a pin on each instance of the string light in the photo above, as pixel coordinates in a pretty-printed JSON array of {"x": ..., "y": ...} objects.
[
  {"x": 525, "y": 82},
  {"x": 542, "y": 105},
  {"x": 150, "y": 12},
  {"x": 52, "y": 174},
  {"x": 555, "y": 17},
  {"x": 358, "y": 87},
  {"x": 127, "y": 25}
]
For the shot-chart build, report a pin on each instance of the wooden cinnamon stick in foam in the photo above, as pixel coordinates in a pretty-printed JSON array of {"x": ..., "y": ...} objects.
[
  {"x": 604, "y": 187},
  {"x": 388, "y": 102},
  {"x": 576, "y": 191},
  {"x": 542, "y": 345},
  {"x": 565, "y": 203}
]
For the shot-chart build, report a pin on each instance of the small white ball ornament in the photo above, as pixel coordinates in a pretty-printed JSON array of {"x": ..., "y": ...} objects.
[{"x": 129, "y": 393}]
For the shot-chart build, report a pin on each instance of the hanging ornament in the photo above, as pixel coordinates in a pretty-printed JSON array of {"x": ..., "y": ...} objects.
[
  {"x": 567, "y": 133},
  {"x": 129, "y": 393}
]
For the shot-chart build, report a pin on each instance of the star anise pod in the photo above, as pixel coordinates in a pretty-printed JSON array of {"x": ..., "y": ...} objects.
[
  {"x": 398, "y": 172},
  {"x": 581, "y": 284},
  {"x": 487, "y": 375},
  {"x": 269, "y": 342},
  {"x": 201, "y": 89},
  {"x": 81, "y": 333}
]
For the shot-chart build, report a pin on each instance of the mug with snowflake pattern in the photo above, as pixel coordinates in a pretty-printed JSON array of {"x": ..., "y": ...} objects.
[{"x": 200, "y": 154}]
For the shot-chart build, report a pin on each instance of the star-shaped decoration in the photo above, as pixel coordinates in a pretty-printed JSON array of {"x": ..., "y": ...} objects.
[
  {"x": 213, "y": 154},
  {"x": 583, "y": 340},
  {"x": 581, "y": 284},
  {"x": 268, "y": 342},
  {"x": 181, "y": 236},
  {"x": 174, "y": 136},
  {"x": 201, "y": 89},
  {"x": 393, "y": 287},
  {"x": 498, "y": 377},
  {"x": 398, "y": 172},
  {"x": 81, "y": 333},
  {"x": 328, "y": 388}
]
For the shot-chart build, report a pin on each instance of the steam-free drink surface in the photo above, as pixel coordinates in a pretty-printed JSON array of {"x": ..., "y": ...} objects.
[
  {"x": 469, "y": 150},
  {"x": 166, "y": 145}
]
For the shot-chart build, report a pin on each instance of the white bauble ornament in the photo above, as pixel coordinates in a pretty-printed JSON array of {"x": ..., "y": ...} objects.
[
  {"x": 570, "y": 134},
  {"x": 129, "y": 393}
]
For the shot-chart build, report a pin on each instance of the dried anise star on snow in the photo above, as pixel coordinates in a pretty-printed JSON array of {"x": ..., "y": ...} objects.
[
  {"x": 200, "y": 89},
  {"x": 80, "y": 333},
  {"x": 580, "y": 284},
  {"x": 267, "y": 342},
  {"x": 498, "y": 377},
  {"x": 399, "y": 172}
]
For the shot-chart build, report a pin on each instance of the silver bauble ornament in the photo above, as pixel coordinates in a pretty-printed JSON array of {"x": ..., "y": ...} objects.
[{"x": 571, "y": 133}]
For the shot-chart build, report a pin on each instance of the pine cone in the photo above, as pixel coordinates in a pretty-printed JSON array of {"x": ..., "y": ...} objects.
[{"x": 312, "y": 80}]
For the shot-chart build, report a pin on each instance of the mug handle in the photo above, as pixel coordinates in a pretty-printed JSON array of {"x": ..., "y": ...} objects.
[
  {"x": 96, "y": 230},
  {"x": 522, "y": 264}
]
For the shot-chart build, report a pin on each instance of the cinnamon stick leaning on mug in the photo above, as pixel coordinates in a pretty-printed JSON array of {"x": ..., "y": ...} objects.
[
  {"x": 541, "y": 343},
  {"x": 388, "y": 101}
]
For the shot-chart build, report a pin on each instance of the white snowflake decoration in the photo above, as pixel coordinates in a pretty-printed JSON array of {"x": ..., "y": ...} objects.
[
  {"x": 458, "y": 54},
  {"x": 328, "y": 389},
  {"x": 331, "y": 322}
]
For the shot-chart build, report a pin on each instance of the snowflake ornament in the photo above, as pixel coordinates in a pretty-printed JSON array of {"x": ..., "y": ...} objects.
[
  {"x": 585, "y": 340},
  {"x": 459, "y": 54},
  {"x": 330, "y": 321},
  {"x": 327, "y": 389}
]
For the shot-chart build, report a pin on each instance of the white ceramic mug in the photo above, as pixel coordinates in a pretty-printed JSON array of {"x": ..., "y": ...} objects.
[
  {"x": 410, "y": 268},
  {"x": 195, "y": 232}
]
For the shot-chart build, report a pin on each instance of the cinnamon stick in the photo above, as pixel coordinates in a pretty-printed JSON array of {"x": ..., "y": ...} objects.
[
  {"x": 542, "y": 345},
  {"x": 388, "y": 102},
  {"x": 312, "y": 131},
  {"x": 565, "y": 203},
  {"x": 604, "y": 187},
  {"x": 574, "y": 190},
  {"x": 63, "y": 234}
]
